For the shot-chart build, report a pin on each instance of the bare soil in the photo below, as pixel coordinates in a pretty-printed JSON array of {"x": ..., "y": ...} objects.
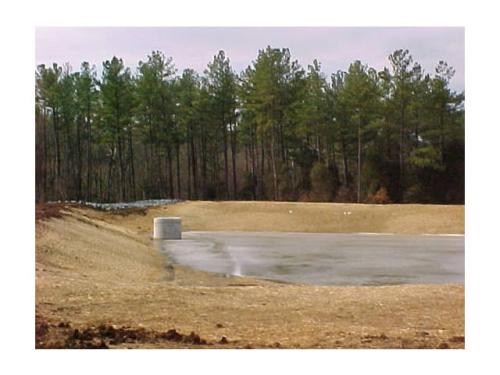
[{"x": 100, "y": 283}]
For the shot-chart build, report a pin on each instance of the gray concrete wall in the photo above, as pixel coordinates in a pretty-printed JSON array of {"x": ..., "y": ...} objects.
[{"x": 167, "y": 228}]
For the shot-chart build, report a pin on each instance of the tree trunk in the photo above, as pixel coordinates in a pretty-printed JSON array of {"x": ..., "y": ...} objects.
[
  {"x": 441, "y": 135},
  {"x": 110, "y": 172},
  {"x": 253, "y": 156},
  {"x": 122, "y": 169},
  {"x": 69, "y": 164},
  {"x": 226, "y": 163},
  {"x": 282, "y": 144},
  {"x": 203, "y": 165},
  {"x": 194, "y": 166},
  {"x": 416, "y": 130},
  {"x": 344, "y": 158},
  {"x": 38, "y": 158},
  {"x": 233, "y": 157},
  {"x": 262, "y": 169},
  {"x": 170, "y": 173},
  {"x": 359, "y": 161},
  {"x": 158, "y": 173},
  {"x": 178, "y": 170},
  {"x": 317, "y": 144},
  {"x": 152, "y": 184},
  {"x": 401, "y": 153},
  {"x": 55, "y": 121},
  {"x": 216, "y": 168},
  {"x": 45, "y": 150},
  {"x": 188, "y": 157},
  {"x": 89, "y": 157},
  {"x": 132, "y": 169},
  {"x": 79, "y": 161},
  {"x": 246, "y": 159},
  {"x": 273, "y": 163}
]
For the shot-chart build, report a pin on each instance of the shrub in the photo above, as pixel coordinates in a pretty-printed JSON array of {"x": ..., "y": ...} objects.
[{"x": 380, "y": 197}]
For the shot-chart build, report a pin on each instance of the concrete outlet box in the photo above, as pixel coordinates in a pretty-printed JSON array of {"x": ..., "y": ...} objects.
[{"x": 167, "y": 228}]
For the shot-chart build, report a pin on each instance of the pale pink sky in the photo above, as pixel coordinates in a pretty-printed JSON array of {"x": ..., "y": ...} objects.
[{"x": 194, "y": 47}]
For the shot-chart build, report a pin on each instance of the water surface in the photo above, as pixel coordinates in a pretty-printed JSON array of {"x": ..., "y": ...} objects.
[{"x": 323, "y": 258}]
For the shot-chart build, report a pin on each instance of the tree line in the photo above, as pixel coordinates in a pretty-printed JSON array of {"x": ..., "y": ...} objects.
[{"x": 275, "y": 131}]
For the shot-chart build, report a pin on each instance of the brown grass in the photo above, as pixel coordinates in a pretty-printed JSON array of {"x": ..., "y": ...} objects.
[
  {"x": 298, "y": 217},
  {"x": 99, "y": 269}
]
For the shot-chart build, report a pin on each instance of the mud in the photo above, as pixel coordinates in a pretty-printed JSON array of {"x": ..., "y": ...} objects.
[{"x": 64, "y": 336}]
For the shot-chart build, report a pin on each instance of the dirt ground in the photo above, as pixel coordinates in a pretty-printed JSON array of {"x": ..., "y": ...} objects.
[{"x": 100, "y": 283}]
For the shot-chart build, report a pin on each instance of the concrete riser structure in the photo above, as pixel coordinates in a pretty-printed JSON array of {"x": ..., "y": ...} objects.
[{"x": 167, "y": 228}]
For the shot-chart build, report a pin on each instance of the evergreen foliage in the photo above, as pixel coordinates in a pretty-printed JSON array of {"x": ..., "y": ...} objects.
[{"x": 276, "y": 131}]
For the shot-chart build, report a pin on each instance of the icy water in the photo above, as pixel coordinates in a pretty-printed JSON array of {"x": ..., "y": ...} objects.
[{"x": 323, "y": 259}]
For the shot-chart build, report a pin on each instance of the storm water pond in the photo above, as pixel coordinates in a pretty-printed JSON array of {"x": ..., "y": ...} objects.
[{"x": 323, "y": 258}]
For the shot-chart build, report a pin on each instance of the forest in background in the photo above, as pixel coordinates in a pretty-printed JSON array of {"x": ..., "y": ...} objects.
[{"x": 276, "y": 131}]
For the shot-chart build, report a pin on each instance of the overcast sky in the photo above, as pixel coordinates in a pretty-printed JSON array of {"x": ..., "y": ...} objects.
[{"x": 194, "y": 47}]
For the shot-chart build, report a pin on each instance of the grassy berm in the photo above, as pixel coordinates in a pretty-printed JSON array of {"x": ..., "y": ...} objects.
[{"x": 100, "y": 283}]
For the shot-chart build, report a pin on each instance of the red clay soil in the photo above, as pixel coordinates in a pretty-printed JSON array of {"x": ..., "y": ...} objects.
[{"x": 44, "y": 211}]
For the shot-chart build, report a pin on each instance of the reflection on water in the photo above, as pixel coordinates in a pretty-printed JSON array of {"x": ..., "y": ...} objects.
[{"x": 325, "y": 259}]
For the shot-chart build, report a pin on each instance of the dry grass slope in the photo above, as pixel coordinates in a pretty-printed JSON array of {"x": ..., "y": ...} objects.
[{"x": 301, "y": 217}]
